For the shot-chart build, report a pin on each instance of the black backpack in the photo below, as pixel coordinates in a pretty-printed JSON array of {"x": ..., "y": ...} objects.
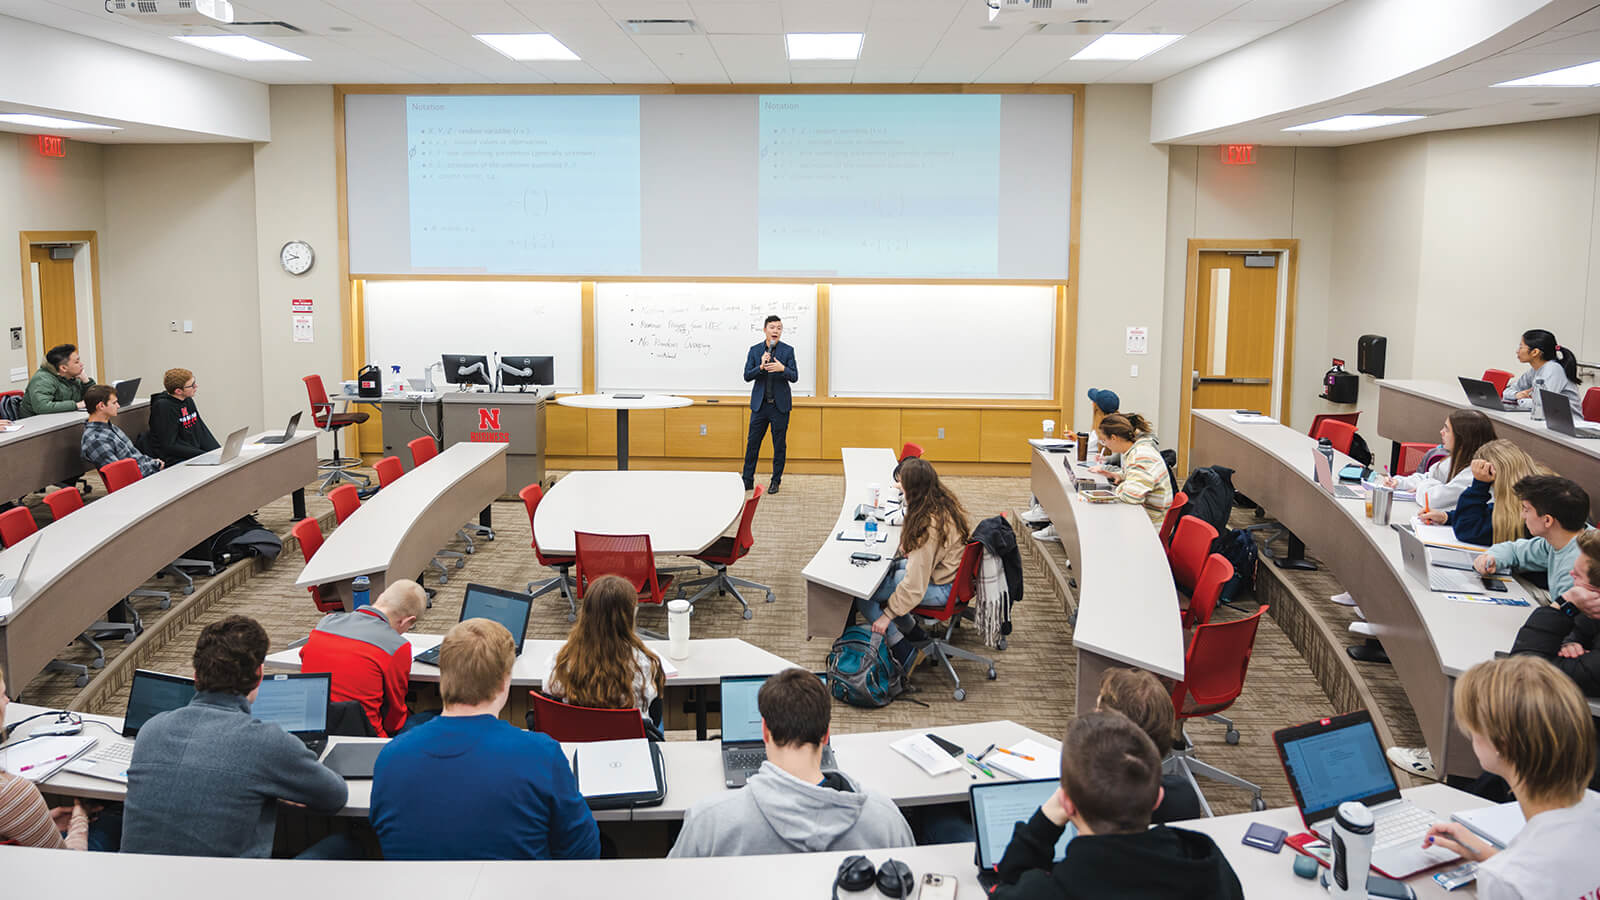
[
  {"x": 1210, "y": 492},
  {"x": 1359, "y": 451},
  {"x": 1240, "y": 550}
]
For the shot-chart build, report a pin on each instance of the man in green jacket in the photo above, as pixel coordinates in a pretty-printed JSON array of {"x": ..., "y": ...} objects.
[{"x": 58, "y": 385}]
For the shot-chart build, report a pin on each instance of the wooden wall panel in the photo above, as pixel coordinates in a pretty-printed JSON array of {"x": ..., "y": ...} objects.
[
  {"x": 724, "y": 432},
  {"x": 1006, "y": 433},
  {"x": 567, "y": 430},
  {"x": 646, "y": 428},
  {"x": 805, "y": 433},
  {"x": 961, "y": 439},
  {"x": 857, "y": 427}
]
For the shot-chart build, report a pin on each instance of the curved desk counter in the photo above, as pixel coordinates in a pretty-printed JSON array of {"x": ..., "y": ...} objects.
[
  {"x": 48, "y": 449},
  {"x": 85, "y": 564},
  {"x": 1412, "y": 411},
  {"x": 623, "y": 405},
  {"x": 1128, "y": 611},
  {"x": 833, "y": 580},
  {"x": 396, "y": 531},
  {"x": 682, "y": 512},
  {"x": 1431, "y": 638}
]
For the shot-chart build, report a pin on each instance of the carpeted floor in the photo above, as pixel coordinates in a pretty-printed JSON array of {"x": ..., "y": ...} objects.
[{"x": 1036, "y": 681}]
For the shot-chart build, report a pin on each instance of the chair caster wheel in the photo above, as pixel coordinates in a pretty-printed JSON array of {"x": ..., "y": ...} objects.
[
  {"x": 771, "y": 597},
  {"x": 186, "y": 592},
  {"x": 572, "y": 617},
  {"x": 993, "y": 674},
  {"x": 961, "y": 694},
  {"x": 1257, "y": 804},
  {"x": 98, "y": 663},
  {"x": 488, "y": 535},
  {"x": 461, "y": 562},
  {"x": 81, "y": 680},
  {"x": 1232, "y": 737},
  {"x": 471, "y": 550},
  {"x": 1002, "y": 644},
  {"x": 749, "y": 614},
  {"x": 444, "y": 579}
]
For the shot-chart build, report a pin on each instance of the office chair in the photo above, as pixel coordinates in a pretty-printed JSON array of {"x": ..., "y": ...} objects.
[
  {"x": 910, "y": 450},
  {"x": 628, "y": 555},
  {"x": 531, "y": 497},
  {"x": 424, "y": 449},
  {"x": 1497, "y": 377},
  {"x": 326, "y": 419},
  {"x": 1170, "y": 521},
  {"x": 120, "y": 474},
  {"x": 309, "y": 535},
  {"x": 1591, "y": 404},
  {"x": 1410, "y": 456},
  {"x": 346, "y": 499},
  {"x": 1351, "y": 419},
  {"x": 389, "y": 471},
  {"x": 1339, "y": 434},
  {"x": 1214, "y": 669},
  {"x": 1207, "y": 591},
  {"x": 63, "y": 501},
  {"x": 1191, "y": 543},
  {"x": 1340, "y": 430},
  {"x": 724, "y": 552},
  {"x": 581, "y": 724},
  {"x": 962, "y": 592}
]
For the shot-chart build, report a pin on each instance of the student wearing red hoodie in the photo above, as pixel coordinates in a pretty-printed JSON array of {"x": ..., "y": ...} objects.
[{"x": 368, "y": 655}]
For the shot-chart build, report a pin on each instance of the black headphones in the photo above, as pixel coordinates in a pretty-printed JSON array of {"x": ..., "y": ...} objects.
[{"x": 857, "y": 873}]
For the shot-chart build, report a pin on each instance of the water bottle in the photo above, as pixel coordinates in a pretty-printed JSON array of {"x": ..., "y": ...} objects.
[
  {"x": 872, "y": 530},
  {"x": 362, "y": 589},
  {"x": 1538, "y": 400},
  {"x": 678, "y": 629},
  {"x": 1352, "y": 851},
  {"x": 1325, "y": 447}
]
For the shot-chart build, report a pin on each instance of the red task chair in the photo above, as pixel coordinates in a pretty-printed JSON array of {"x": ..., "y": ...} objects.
[
  {"x": 581, "y": 724},
  {"x": 1214, "y": 669},
  {"x": 910, "y": 450},
  {"x": 1411, "y": 455},
  {"x": 1191, "y": 544},
  {"x": 423, "y": 449},
  {"x": 962, "y": 592},
  {"x": 531, "y": 497},
  {"x": 338, "y": 468},
  {"x": 17, "y": 524},
  {"x": 1338, "y": 433},
  {"x": 346, "y": 499},
  {"x": 724, "y": 552},
  {"x": 1497, "y": 377},
  {"x": 62, "y": 502},
  {"x": 1174, "y": 513},
  {"x": 309, "y": 534},
  {"x": 1207, "y": 591},
  {"x": 628, "y": 555},
  {"x": 120, "y": 474},
  {"x": 1591, "y": 404}
]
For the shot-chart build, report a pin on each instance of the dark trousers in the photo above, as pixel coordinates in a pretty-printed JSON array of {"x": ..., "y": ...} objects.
[{"x": 768, "y": 414}]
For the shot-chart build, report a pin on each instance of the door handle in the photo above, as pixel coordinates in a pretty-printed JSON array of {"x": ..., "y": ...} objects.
[
  {"x": 1225, "y": 380},
  {"x": 1194, "y": 379}
]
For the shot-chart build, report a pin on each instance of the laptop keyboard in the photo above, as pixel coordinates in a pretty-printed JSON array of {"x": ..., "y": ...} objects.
[
  {"x": 114, "y": 752},
  {"x": 747, "y": 759},
  {"x": 1407, "y": 824}
]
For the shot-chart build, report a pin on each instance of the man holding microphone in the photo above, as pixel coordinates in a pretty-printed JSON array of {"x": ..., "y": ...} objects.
[{"x": 770, "y": 365}]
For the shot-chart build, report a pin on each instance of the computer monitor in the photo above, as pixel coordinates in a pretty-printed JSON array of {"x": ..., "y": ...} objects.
[
  {"x": 466, "y": 368},
  {"x": 521, "y": 371}
]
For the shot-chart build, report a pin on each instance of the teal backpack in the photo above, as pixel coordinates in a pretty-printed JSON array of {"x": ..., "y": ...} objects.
[{"x": 861, "y": 671}]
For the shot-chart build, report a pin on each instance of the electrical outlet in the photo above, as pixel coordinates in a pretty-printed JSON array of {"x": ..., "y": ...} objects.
[
  {"x": 172, "y": 325},
  {"x": 702, "y": 431},
  {"x": 1133, "y": 370},
  {"x": 941, "y": 433}
]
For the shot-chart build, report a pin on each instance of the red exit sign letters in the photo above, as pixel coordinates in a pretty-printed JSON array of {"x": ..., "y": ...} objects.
[
  {"x": 1238, "y": 154},
  {"x": 51, "y": 145}
]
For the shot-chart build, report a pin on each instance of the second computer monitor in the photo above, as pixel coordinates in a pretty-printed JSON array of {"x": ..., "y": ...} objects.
[
  {"x": 541, "y": 370},
  {"x": 467, "y": 368}
]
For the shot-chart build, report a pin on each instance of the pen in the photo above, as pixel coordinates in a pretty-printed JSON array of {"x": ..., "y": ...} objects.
[
  {"x": 981, "y": 767},
  {"x": 49, "y": 761},
  {"x": 1016, "y": 754},
  {"x": 1424, "y": 501},
  {"x": 986, "y": 752}
]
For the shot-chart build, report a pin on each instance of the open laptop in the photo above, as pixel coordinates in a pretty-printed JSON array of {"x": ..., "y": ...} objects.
[
  {"x": 1482, "y": 394},
  {"x": 1421, "y": 565},
  {"x": 1324, "y": 472},
  {"x": 1338, "y": 759},
  {"x": 297, "y": 703},
  {"x": 743, "y": 751},
  {"x": 10, "y": 583},
  {"x": 1558, "y": 417},
  {"x": 228, "y": 453},
  {"x": 127, "y": 389},
  {"x": 509, "y": 608},
  {"x": 294, "y": 421},
  {"x": 150, "y": 694},
  {"x": 997, "y": 807}
]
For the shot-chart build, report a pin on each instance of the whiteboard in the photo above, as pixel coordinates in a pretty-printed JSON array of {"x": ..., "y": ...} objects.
[
  {"x": 692, "y": 338},
  {"x": 411, "y": 323},
  {"x": 903, "y": 340}
]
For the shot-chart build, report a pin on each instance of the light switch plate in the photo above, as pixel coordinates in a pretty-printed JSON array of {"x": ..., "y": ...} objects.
[
  {"x": 702, "y": 431},
  {"x": 1133, "y": 370},
  {"x": 941, "y": 433},
  {"x": 188, "y": 326}
]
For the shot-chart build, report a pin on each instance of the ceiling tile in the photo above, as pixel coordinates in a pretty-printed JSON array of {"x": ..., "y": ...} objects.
[
  {"x": 728, "y": 17},
  {"x": 1032, "y": 57},
  {"x": 1279, "y": 10},
  {"x": 825, "y": 15},
  {"x": 752, "y": 58},
  {"x": 685, "y": 59}
]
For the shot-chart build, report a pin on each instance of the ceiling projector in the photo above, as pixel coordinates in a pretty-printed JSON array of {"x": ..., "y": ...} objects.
[{"x": 173, "y": 12}]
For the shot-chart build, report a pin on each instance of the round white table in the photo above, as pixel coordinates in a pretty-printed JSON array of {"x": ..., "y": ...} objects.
[
  {"x": 682, "y": 512},
  {"x": 623, "y": 403}
]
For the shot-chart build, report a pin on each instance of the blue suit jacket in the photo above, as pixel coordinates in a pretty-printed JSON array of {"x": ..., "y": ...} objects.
[{"x": 784, "y": 354}]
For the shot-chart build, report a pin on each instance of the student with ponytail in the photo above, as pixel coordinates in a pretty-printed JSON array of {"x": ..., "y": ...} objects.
[
  {"x": 1546, "y": 359},
  {"x": 1144, "y": 478}
]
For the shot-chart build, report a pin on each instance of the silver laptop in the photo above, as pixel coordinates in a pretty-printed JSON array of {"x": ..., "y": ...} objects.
[
  {"x": 1338, "y": 759},
  {"x": 127, "y": 389},
  {"x": 151, "y": 694},
  {"x": 1558, "y": 417},
  {"x": 228, "y": 453},
  {"x": 1324, "y": 472},
  {"x": 743, "y": 750},
  {"x": 1420, "y": 564},
  {"x": 10, "y": 583},
  {"x": 294, "y": 422}
]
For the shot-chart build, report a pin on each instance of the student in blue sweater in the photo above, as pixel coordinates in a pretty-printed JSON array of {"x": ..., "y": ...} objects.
[{"x": 468, "y": 785}]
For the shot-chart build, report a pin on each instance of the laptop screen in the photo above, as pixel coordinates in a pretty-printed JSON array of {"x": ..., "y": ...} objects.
[
  {"x": 297, "y": 703},
  {"x": 153, "y": 693},
  {"x": 741, "y": 717},
  {"x": 1334, "y": 760},
  {"x": 998, "y": 807},
  {"x": 509, "y": 608}
]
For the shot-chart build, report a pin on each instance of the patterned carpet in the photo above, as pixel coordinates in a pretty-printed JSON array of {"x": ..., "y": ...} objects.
[{"x": 1036, "y": 681}]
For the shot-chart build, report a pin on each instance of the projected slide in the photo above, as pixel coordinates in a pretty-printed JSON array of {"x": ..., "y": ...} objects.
[
  {"x": 524, "y": 184},
  {"x": 880, "y": 185}
]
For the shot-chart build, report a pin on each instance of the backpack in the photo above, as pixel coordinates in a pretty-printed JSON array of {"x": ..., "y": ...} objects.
[
  {"x": 861, "y": 671},
  {"x": 244, "y": 537},
  {"x": 1240, "y": 550},
  {"x": 1210, "y": 491},
  {"x": 1359, "y": 451}
]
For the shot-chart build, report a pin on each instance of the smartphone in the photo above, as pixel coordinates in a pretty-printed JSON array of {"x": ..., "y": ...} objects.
[
  {"x": 865, "y": 557},
  {"x": 1460, "y": 876},
  {"x": 937, "y": 887},
  {"x": 955, "y": 750}
]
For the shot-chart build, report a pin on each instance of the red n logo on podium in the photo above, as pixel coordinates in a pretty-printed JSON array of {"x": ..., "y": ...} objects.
[{"x": 488, "y": 419}]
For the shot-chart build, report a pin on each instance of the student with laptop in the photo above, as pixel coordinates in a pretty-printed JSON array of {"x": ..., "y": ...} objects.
[
  {"x": 368, "y": 656},
  {"x": 603, "y": 663},
  {"x": 1144, "y": 478},
  {"x": 1553, "y": 509},
  {"x": 207, "y": 779},
  {"x": 176, "y": 431},
  {"x": 468, "y": 785},
  {"x": 59, "y": 384},
  {"x": 790, "y": 805},
  {"x": 1110, "y": 781},
  {"x": 1568, "y": 635},
  {"x": 103, "y": 442},
  {"x": 1488, "y": 511},
  {"x": 26, "y": 820},
  {"x": 1139, "y": 695},
  {"x": 1463, "y": 432},
  {"x": 1529, "y": 724},
  {"x": 1547, "y": 360}
]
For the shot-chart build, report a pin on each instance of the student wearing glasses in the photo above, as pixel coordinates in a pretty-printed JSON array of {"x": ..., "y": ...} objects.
[
  {"x": 1546, "y": 359},
  {"x": 176, "y": 431}
]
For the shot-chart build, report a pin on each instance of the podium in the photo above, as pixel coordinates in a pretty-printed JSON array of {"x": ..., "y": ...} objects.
[{"x": 506, "y": 417}]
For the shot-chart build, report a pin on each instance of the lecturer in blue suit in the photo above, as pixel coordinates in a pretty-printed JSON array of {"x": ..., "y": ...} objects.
[{"x": 770, "y": 365}]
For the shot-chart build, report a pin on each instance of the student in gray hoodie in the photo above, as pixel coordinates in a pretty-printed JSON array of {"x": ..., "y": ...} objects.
[{"x": 790, "y": 806}]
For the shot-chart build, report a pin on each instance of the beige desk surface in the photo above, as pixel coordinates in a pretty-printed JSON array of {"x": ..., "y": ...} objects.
[
  {"x": 47, "y": 449},
  {"x": 682, "y": 512},
  {"x": 610, "y": 401},
  {"x": 831, "y": 565}
]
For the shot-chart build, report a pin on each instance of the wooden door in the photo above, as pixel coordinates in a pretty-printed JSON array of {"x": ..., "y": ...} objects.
[
  {"x": 1235, "y": 330},
  {"x": 58, "y": 308}
]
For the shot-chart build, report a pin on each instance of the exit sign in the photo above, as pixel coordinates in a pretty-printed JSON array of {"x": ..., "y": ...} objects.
[
  {"x": 1238, "y": 154},
  {"x": 50, "y": 145}
]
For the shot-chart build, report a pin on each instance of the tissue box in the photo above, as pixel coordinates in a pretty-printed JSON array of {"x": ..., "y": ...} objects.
[{"x": 349, "y": 388}]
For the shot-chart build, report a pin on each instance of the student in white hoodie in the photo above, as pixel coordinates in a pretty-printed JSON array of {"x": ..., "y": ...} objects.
[
  {"x": 1464, "y": 431},
  {"x": 1546, "y": 359},
  {"x": 790, "y": 806}
]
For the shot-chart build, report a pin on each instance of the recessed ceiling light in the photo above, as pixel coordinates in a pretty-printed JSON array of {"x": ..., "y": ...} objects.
[
  {"x": 1125, "y": 47},
  {"x": 29, "y": 120},
  {"x": 841, "y": 45},
  {"x": 529, "y": 47},
  {"x": 1586, "y": 75},
  {"x": 240, "y": 46},
  {"x": 1353, "y": 123}
]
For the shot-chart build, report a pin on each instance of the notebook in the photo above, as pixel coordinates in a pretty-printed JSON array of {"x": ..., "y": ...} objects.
[
  {"x": 997, "y": 807},
  {"x": 1495, "y": 824},
  {"x": 40, "y": 758},
  {"x": 1046, "y": 763}
]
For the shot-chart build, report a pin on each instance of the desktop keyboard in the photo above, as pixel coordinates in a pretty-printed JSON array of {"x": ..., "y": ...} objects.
[
  {"x": 747, "y": 759},
  {"x": 1406, "y": 824},
  {"x": 113, "y": 752}
]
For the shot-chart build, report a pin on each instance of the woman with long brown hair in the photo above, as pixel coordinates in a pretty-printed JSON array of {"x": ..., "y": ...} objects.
[
  {"x": 603, "y": 663},
  {"x": 1489, "y": 512},
  {"x": 931, "y": 544},
  {"x": 1464, "y": 431}
]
